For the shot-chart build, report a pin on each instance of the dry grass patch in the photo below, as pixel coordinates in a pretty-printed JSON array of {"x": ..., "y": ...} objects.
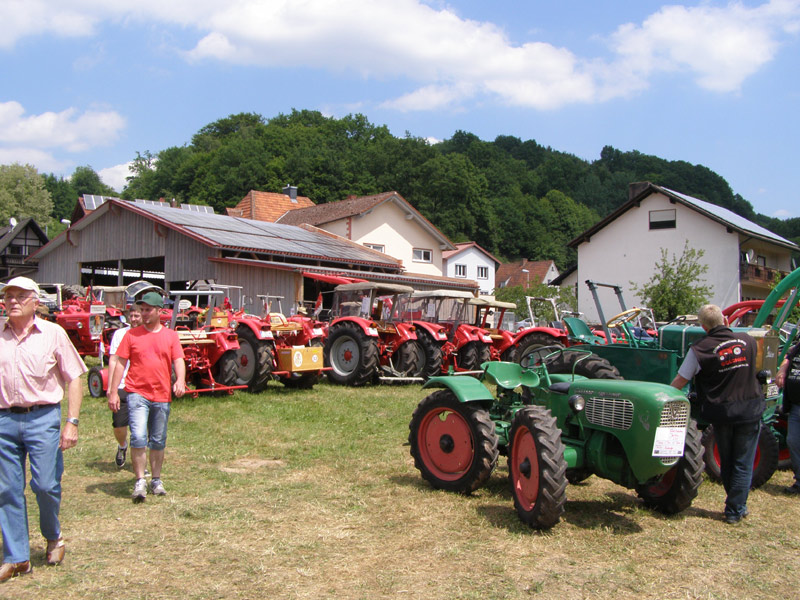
[{"x": 291, "y": 494}]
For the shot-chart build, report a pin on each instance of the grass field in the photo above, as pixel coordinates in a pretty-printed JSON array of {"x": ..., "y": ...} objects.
[{"x": 313, "y": 494}]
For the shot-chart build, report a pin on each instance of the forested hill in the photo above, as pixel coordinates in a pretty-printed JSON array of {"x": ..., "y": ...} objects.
[{"x": 515, "y": 198}]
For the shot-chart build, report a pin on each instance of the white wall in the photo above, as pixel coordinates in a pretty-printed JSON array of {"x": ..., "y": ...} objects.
[
  {"x": 627, "y": 250},
  {"x": 473, "y": 258}
]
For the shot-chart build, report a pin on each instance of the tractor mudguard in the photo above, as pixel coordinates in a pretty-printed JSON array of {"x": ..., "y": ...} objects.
[
  {"x": 466, "y": 389},
  {"x": 437, "y": 332},
  {"x": 405, "y": 331},
  {"x": 364, "y": 324},
  {"x": 559, "y": 334}
]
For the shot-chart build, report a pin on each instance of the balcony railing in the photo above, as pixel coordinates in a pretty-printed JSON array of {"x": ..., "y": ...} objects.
[{"x": 758, "y": 275}]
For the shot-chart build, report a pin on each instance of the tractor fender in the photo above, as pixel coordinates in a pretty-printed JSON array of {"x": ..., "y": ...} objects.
[
  {"x": 256, "y": 326},
  {"x": 366, "y": 325},
  {"x": 466, "y": 389},
  {"x": 558, "y": 335},
  {"x": 405, "y": 331},
  {"x": 225, "y": 340},
  {"x": 437, "y": 332}
]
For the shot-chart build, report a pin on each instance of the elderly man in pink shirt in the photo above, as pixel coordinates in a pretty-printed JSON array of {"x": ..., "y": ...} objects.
[{"x": 37, "y": 361}]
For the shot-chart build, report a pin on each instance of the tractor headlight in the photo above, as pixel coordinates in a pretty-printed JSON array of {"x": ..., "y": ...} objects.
[{"x": 577, "y": 402}]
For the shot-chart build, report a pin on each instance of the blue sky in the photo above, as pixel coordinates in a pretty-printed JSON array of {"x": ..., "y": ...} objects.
[{"x": 91, "y": 82}]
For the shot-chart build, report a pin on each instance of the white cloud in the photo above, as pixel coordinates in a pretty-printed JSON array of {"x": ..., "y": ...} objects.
[
  {"x": 43, "y": 161},
  {"x": 116, "y": 176},
  {"x": 783, "y": 214},
  {"x": 450, "y": 60},
  {"x": 68, "y": 129}
]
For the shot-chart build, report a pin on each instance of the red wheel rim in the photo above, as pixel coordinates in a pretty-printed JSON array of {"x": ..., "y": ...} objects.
[
  {"x": 525, "y": 468},
  {"x": 445, "y": 444},
  {"x": 665, "y": 483},
  {"x": 756, "y": 460}
]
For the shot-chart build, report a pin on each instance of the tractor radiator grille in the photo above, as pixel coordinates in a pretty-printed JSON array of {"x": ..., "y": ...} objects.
[
  {"x": 675, "y": 414},
  {"x": 609, "y": 412}
]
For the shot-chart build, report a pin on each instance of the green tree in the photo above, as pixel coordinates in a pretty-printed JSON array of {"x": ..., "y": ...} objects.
[
  {"x": 85, "y": 180},
  {"x": 23, "y": 194},
  {"x": 676, "y": 286},
  {"x": 63, "y": 195}
]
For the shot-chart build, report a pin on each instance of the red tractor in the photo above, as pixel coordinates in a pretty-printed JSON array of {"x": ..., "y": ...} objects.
[
  {"x": 89, "y": 322},
  {"x": 490, "y": 315},
  {"x": 442, "y": 319},
  {"x": 210, "y": 348},
  {"x": 366, "y": 340},
  {"x": 273, "y": 346}
]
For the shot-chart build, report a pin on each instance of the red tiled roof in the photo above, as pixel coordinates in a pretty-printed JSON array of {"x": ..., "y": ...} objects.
[
  {"x": 513, "y": 273},
  {"x": 267, "y": 206},
  {"x": 333, "y": 211}
]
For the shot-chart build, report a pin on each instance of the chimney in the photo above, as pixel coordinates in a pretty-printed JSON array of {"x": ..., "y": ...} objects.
[
  {"x": 634, "y": 189},
  {"x": 291, "y": 191}
]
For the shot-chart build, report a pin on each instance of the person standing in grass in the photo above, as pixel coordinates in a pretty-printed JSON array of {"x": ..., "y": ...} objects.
[
  {"x": 152, "y": 351},
  {"x": 119, "y": 417},
  {"x": 723, "y": 366},
  {"x": 37, "y": 361},
  {"x": 788, "y": 379}
]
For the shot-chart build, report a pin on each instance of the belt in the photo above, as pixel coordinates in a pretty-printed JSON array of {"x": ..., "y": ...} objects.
[{"x": 25, "y": 409}]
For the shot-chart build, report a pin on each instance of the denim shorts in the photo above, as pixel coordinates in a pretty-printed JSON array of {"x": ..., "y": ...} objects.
[{"x": 148, "y": 421}]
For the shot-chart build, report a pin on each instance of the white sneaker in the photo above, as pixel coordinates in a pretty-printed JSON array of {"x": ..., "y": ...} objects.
[
  {"x": 139, "y": 490},
  {"x": 157, "y": 487}
]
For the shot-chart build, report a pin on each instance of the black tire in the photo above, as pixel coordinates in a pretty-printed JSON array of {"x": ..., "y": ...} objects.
[
  {"x": 95, "y": 382},
  {"x": 764, "y": 464},
  {"x": 306, "y": 381},
  {"x": 591, "y": 366},
  {"x": 454, "y": 444},
  {"x": 352, "y": 354},
  {"x": 472, "y": 355},
  {"x": 227, "y": 368},
  {"x": 431, "y": 352},
  {"x": 406, "y": 358},
  {"x": 537, "y": 470},
  {"x": 255, "y": 360},
  {"x": 530, "y": 343},
  {"x": 510, "y": 355},
  {"x": 674, "y": 491}
]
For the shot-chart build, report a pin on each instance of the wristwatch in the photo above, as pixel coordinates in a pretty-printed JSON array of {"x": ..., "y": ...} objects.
[{"x": 73, "y": 420}]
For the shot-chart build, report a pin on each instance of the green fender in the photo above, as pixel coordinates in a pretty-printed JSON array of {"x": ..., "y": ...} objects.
[{"x": 466, "y": 389}]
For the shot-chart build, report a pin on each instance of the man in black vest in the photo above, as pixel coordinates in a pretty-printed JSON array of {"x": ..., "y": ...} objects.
[
  {"x": 723, "y": 366},
  {"x": 788, "y": 379}
]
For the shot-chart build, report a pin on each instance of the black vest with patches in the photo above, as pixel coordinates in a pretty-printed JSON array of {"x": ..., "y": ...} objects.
[
  {"x": 791, "y": 386},
  {"x": 726, "y": 383}
]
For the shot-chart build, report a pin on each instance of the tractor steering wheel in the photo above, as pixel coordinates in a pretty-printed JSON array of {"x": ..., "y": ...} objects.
[{"x": 623, "y": 317}]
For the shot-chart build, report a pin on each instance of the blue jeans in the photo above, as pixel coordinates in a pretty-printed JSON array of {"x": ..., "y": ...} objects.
[
  {"x": 737, "y": 443},
  {"x": 793, "y": 441},
  {"x": 148, "y": 421},
  {"x": 35, "y": 435}
]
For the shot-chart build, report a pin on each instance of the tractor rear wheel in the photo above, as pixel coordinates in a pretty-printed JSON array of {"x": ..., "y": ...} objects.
[
  {"x": 527, "y": 351},
  {"x": 591, "y": 366},
  {"x": 765, "y": 462},
  {"x": 351, "y": 354},
  {"x": 227, "y": 368},
  {"x": 472, "y": 355},
  {"x": 674, "y": 491},
  {"x": 431, "y": 353},
  {"x": 255, "y": 360},
  {"x": 484, "y": 353},
  {"x": 406, "y": 358},
  {"x": 536, "y": 467},
  {"x": 95, "y": 382},
  {"x": 454, "y": 444}
]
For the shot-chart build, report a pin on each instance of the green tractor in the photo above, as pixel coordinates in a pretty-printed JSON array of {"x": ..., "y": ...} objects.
[{"x": 555, "y": 429}]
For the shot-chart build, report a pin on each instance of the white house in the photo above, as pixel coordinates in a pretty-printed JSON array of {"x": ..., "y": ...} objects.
[
  {"x": 624, "y": 248},
  {"x": 470, "y": 261}
]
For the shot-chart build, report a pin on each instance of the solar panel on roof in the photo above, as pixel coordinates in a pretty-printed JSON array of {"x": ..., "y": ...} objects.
[
  {"x": 152, "y": 203},
  {"x": 199, "y": 208},
  {"x": 92, "y": 202}
]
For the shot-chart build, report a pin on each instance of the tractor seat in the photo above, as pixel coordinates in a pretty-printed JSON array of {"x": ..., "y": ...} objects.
[
  {"x": 578, "y": 329},
  {"x": 560, "y": 387},
  {"x": 509, "y": 375}
]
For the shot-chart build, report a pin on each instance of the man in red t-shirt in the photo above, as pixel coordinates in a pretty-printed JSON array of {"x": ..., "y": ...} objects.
[{"x": 152, "y": 352}]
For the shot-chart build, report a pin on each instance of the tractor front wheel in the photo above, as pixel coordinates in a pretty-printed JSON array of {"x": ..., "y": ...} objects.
[
  {"x": 765, "y": 462},
  {"x": 95, "y": 382},
  {"x": 536, "y": 467},
  {"x": 453, "y": 443},
  {"x": 351, "y": 354},
  {"x": 674, "y": 491}
]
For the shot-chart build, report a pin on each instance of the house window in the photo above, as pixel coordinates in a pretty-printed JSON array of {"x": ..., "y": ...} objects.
[
  {"x": 378, "y": 247},
  {"x": 483, "y": 272},
  {"x": 662, "y": 219},
  {"x": 421, "y": 255},
  {"x": 761, "y": 261},
  {"x": 461, "y": 270}
]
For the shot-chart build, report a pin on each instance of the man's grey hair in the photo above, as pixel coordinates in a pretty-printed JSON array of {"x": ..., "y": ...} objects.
[{"x": 711, "y": 316}]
